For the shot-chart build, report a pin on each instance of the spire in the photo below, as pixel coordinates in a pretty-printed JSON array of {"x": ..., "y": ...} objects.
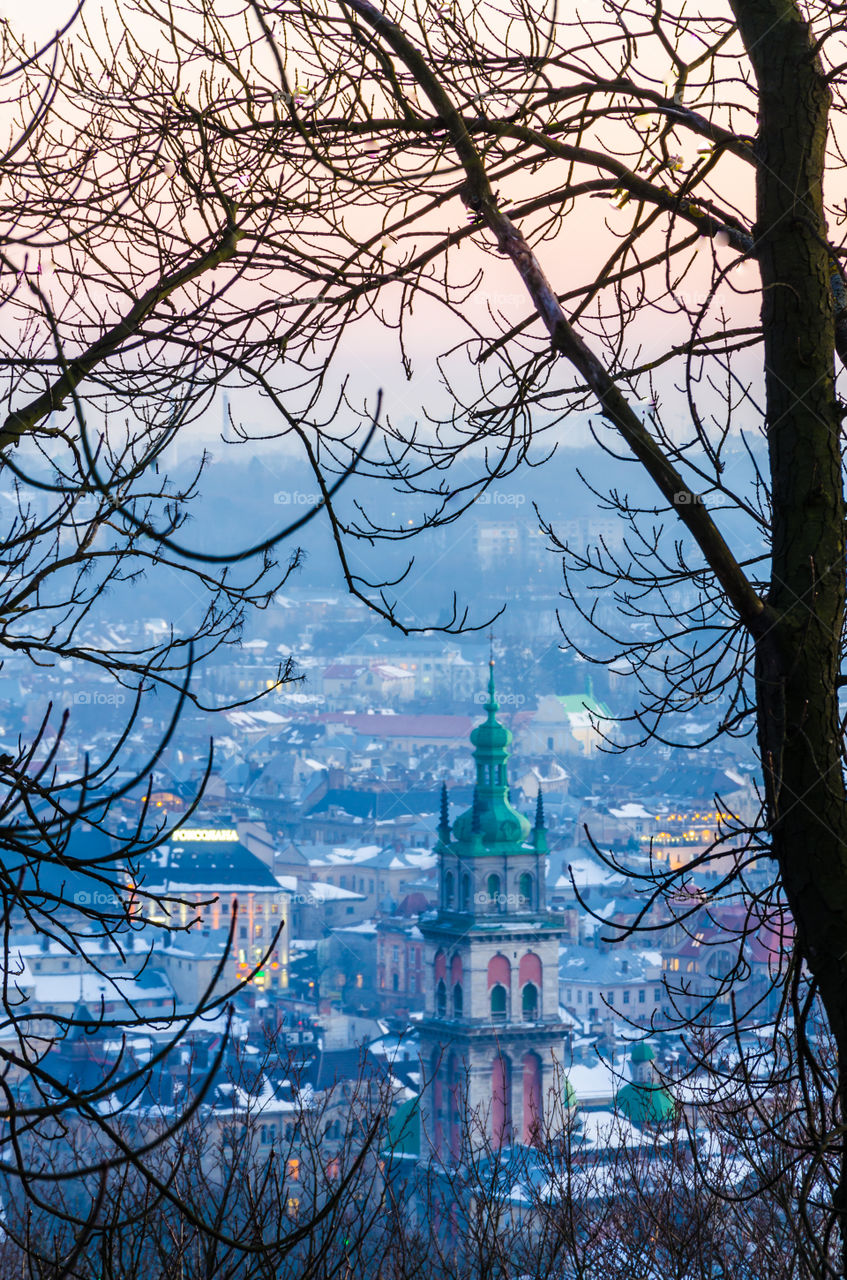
[
  {"x": 539, "y": 833},
  {"x": 492, "y": 706},
  {"x": 539, "y": 810},
  {"x": 444, "y": 820},
  {"x": 492, "y": 822}
]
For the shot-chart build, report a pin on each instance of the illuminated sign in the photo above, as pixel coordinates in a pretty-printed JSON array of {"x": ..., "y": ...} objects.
[{"x": 199, "y": 834}]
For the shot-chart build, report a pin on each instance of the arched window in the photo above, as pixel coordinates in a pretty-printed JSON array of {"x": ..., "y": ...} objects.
[
  {"x": 441, "y": 998},
  {"x": 498, "y": 1003},
  {"x": 529, "y": 969},
  {"x": 448, "y": 889},
  {"x": 501, "y": 1101},
  {"x": 530, "y": 986},
  {"x": 525, "y": 889},
  {"x": 533, "y": 1117},
  {"x": 466, "y": 892},
  {"x": 455, "y": 1108},
  {"x": 493, "y": 886},
  {"x": 456, "y": 986},
  {"x": 437, "y": 1101}
]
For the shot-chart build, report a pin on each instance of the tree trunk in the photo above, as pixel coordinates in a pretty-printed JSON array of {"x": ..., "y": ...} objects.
[{"x": 799, "y": 647}]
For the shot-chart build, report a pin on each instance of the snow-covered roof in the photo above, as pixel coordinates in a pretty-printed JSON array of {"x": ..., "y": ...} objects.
[
  {"x": 52, "y": 989},
  {"x": 314, "y": 892},
  {"x": 630, "y": 810}
]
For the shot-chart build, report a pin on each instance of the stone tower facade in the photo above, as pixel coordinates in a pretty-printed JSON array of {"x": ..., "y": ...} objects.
[{"x": 491, "y": 1042}]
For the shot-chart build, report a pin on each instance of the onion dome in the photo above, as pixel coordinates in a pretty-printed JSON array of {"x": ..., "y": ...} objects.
[
  {"x": 644, "y": 1101},
  {"x": 492, "y": 820}
]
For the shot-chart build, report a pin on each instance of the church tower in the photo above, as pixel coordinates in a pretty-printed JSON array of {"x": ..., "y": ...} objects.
[{"x": 491, "y": 1042}]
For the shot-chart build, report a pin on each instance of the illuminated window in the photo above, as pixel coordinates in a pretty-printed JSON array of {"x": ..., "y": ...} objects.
[
  {"x": 293, "y": 1170},
  {"x": 293, "y": 1206}
]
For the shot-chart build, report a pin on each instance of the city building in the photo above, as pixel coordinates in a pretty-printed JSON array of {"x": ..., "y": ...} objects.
[
  {"x": 491, "y": 1039},
  {"x": 595, "y": 983},
  {"x": 217, "y": 898}
]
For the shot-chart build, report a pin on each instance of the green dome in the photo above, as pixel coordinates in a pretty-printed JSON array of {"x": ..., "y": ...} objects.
[
  {"x": 496, "y": 822},
  {"x": 642, "y": 1052},
  {"x": 492, "y": 820},
  {"x": 645, "y": 1105},
  {"x": 491, "y": 736}
]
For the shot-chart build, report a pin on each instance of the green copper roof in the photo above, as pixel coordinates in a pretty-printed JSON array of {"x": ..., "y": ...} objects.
[
  {"x": 645, "y": 1104},
  {"x": 575, "y": 704},
  {"x": 491, "y": 822},
  {"x": 642, "y": 1052},
  {"x": 491, "y": 735},
  {"x": 404, "y": 1135}
]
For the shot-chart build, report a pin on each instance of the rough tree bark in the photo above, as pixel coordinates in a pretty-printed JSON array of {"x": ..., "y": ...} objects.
[{"x": 799, "y": 641}]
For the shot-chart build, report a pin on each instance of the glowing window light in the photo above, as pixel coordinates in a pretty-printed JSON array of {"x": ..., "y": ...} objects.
[{"x": 198, "y": 835}]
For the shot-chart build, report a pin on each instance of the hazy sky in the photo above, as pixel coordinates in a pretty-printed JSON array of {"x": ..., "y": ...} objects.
[{"x": 371, "y": 354}]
